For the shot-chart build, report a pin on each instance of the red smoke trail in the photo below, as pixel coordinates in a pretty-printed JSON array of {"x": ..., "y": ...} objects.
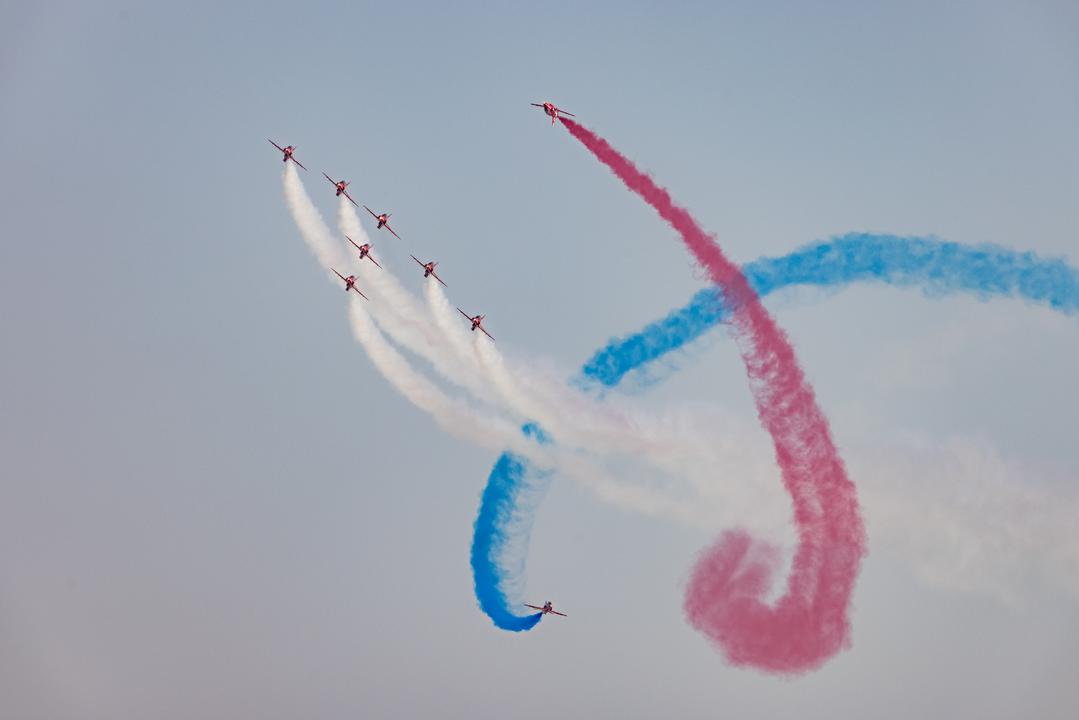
[{"x": 809, "y": 623}]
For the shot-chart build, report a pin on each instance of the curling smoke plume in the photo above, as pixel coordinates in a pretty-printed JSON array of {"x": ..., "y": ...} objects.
[
  {"x": 963, "y": 551},
  {"x": 725, "y": 598},
  {"x": 987, "y": 547}
]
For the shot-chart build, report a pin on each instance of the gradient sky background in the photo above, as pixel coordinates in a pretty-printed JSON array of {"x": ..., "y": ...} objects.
[{"x": 211, "y": 506}]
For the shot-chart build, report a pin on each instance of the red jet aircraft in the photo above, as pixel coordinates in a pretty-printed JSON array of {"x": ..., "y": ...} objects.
[
  {"x": 550, "y": 109},
  {"x": 548, "y": 607},
  {"x": 477, "y": 322},
  {"x": 382, "y": 221},
  {"x": 287, "y": 150},
  {"x": 365, "y": 251},
  {"x": 350, "y": 283},
  {"x": 429, "y": 269},
  {"x": 341, "y": 185}
]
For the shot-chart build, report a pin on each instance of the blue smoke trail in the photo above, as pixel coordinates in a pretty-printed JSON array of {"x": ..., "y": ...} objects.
[
  {"x": 500, "y": 535},
  {"x": 937, "y": 267}
]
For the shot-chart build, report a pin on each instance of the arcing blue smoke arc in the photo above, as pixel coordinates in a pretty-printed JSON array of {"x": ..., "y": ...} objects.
[
  {"x": 500, "y": 538},
  {"x": 938, "y": 267}
]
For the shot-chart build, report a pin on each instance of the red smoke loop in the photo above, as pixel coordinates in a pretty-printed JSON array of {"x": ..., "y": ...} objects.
[{"x": 723, "y": 600}]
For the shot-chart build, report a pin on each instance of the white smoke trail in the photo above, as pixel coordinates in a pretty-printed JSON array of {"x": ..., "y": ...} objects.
[
  {"x": 567, "y": 414},
  {"x": 452, "y": 414},
  {"x": 956, "y": 512},
  {"x": 959, "y": 514},
  {"x": 457, "y": 417},
  {"x": 402, "y": 316},
  {"x": 455, "y": 339},
  {"x": 966, "y": 518},
  {"x": 450, "y": 324},
  {"x": 494, "y": 368},
  {"x": 314, "y": 231},
  {"x": 530, "y": 394},
  {"x": 677, "y": 447},
  {"x": 399, "y": 313}
]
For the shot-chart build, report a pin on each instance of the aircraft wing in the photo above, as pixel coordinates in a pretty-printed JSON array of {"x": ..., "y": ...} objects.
[
  {"x": 536, "y": 105},
  {"x": 558, "y": 613},
  {"x": 436, "y": 277},
  {"x": 470, "y": 320},
  {"x": 339, "y": 274},
  {"x": 391, "y": 231},
  {"x": 370, "y": 211},
  {"x": 372, "y": 259},
  {"x": 297, "y": 162},
  {"x": 352, "y": 241},
  {"x": 563, "y": 112},
  {"x": 363, "y": 296},
  {"x": 417, "y": 261},
  {"x": 534, "y": 607},
  {"x": 492, "y": 340},
  {"x": 328, "y": 177},
  {"x": 345, "y": 193},
  {"x": 276, "y": 145}
]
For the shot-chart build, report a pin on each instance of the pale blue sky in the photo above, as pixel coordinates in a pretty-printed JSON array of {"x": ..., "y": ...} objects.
[{"x": 211, "y": 506}]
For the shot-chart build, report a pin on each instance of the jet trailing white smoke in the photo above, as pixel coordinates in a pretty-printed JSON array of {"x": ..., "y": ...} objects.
[
  {"x": 452, "y": 414},
  {"x": 308, "y": 219},
  {"x": 983, "y": 546}
]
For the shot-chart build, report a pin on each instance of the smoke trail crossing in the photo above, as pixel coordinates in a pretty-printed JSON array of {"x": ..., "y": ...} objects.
[
  {"x": 938, "y": 268},
  {"x": 809, "y": 623},
  {"x": 453, "y": 414}
]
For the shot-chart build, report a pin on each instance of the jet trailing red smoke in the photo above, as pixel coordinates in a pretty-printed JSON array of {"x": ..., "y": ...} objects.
[{"x": 725, "y": 597}]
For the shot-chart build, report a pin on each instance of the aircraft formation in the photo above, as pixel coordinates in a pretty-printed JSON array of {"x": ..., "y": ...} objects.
[
  {"x": 802, "y": 629},
  {"x": 382, "y": 221}
]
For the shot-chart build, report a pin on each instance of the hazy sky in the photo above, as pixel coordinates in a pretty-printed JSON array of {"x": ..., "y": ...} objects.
[{"x": 211, "y": 505}]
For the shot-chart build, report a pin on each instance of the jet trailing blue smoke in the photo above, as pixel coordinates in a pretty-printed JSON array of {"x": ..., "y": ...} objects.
[
  {"x": 501, "y": 533},
  {"x": 938, "y": 268}
]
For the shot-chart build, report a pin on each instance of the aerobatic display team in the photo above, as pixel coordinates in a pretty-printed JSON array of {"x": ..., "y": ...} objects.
[{"x": 776, "y": 602}]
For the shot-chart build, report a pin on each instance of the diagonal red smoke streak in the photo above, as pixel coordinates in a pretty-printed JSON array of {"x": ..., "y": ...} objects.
[{"x": 723, "y": 600}]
